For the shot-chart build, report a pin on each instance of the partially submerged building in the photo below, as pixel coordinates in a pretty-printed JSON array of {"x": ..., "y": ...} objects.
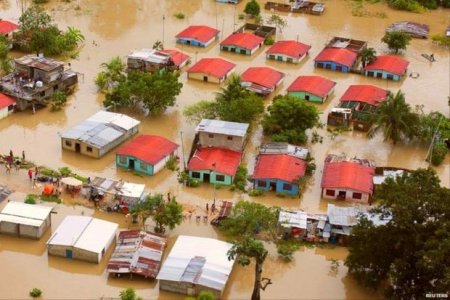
[
  {"x": 221, "y": 134},
  {"x": 25, "y": 220},
  {"x": 288, "y": 51},
  {"x": 35, "y": 79},
  {"x": 198, "y": 35},
  {"x": 413, "y": 29},
  {"x": 7, "y": 28},
  {"x": 261, "y": 80},
  {"x": 387, "y": 67},
  {"x": 315, "y": 89},
  {"x": 179, "y": 58},
  {"x": 83, "y": 238},
  {"x": 148, "y": 60},
  {"x": 347, "y": 178},
  {"x": 146, "y": 154},
  {"x": 242, "y": 43},
  {"x": 7, "y": 105},
  {"x": 340, "y": 54},
  {"x": 137, "y": 253},
  {"x": 99, "y": 134},
  {"x": 214, "y": 70},
  {"x": 196, "y": 264}
]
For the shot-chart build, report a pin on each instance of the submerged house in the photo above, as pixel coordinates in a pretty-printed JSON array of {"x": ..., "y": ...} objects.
[
  {"x": 192, "y": 267},
  {"x": 35, "y": 79},
  {"x": 261, "y": 80},
  {"x": 99, "y": 134},
  {"x": 83, "y": 238},
  {"x": 242, "y": 43},
  {"x": 7, "y": 28},
  {"x": 221, "y": 134},
  {"x": 387, "y": 67},
  {"x": 288, "y": 51},
  {"x": 137, "y": 252},
  {"x": 359, "y": 102},
  {"x": 179, "y": 58},
  {"x": 214, "y": 70},
  {"x": 198, "y": 35},
  {"x": 347, "y": 179},
  {"x": 25, "y": 220},
  {"x": 7, "y": 105},
  {"x": 148, "y": 60},
  {"x": 315, "y": 89},
  {"x": 146, "y": 154}
]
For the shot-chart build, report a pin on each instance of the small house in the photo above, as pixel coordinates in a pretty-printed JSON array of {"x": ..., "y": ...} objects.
[
  {"x": 336, "y": 59},
  {"x": 196, "y": 264},
  {"x": 198, "y": 35},
  {"x": 302, "y": 225},
  {"x": 288, "y": 51},
  {"x": 179, "y": 58},
  {"x": 261, "y": 80},
  {"x": 137, "y": 252},
  {"x": 7, "y": 28},
  {"x": 99, "y": 134},
  {"x": 415, "y": 30},
  {"x": 221, "y": 134},
  {"x": 280, "y": 173},
  {"x": 146, "y": 154},
  {"x": 387, "y": 67},
  {"x": 214, "y": 165},
  {"x": 7, "y": 105},
  {"x": 148, "y": 60},
  {"x": 315, "y": 89},
  {"x": 347, "y": 179},
  {"x": 214, "y": 70},
  {"x": 242, "y": 43},
  {"x": 25, "y": 220},
  {"x": 83, "y": 238}
]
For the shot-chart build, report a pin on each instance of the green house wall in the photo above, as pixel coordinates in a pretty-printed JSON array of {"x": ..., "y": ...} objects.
[
  {"x": 302, "y": 95},
  {"x": 228, "y": 180},
  {"x": 137, "y": 165}
]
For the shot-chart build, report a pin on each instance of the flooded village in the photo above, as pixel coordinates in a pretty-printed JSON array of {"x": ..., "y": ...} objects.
[{"x": 110, "y": 147}]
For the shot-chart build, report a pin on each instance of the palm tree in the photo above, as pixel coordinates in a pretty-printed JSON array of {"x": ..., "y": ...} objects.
[
  {"x": 395, "y": 118},
  {"x": 233, "y": 90},
  {"x": 367, "y": 56}
]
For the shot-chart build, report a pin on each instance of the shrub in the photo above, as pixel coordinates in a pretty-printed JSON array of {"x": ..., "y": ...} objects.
[
  {"x": 441, "y": 40},
  {"x": 65, "y": 171},
  {"x": 256, "y": 193},
  {"x": 50, "y": 199},
  {"x": 252, "y": 8},
  {"x": 59, "y": 99},
  {"x": 438, "y": 153},
  {"x": 35, "y": 292},
  {"x": 31, "y": 199},
  {"x": 193, "y": 182},
  {"x": 171, "y": 163},
  {"x": 240, "y": 179},
  {"x": 286, "y": 249},
  {"x": 269, "y": 40},
  {"x": 179, "y": 15}
]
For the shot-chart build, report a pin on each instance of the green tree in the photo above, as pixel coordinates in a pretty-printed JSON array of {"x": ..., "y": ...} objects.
[
  {"x": 367, "y": 56},
  {"x": 5, "y": 60},
  {"x": 277, "y": 21},
  {"x": 252, "y": 8},
  {"x": 203, "y": 109},
  {"x": 129, "y": 294},
  {"x": 158, "y": 45},
  {"x": 395, "y": 118},
  {"x": 168, "y": 215},
  {"x": 59, "y": 99},
  {"x": 396, "y": 40},
  {"x": 33, "y": 19},
  {"x": 35, "y": 293},
  {"x": 205, "y": 295},
  {"x": 113, "y": 72},
  {"x": 409, "y": 256},
  {"x": 248, "y": 224},
  {"x": 241, "y": 110},
  {"x": 288, "y": 118}
]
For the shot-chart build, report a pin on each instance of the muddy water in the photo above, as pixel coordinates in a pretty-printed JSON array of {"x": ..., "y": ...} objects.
[{"x": 116, "y": 27}]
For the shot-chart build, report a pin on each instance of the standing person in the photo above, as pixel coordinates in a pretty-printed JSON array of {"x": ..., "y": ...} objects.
[
  {"x": 36, "y": 171},
  {"x": 11, "y": 155},
  {"x": 213, "y": 208},
  {"x": 8, "y": 168},
  {"x": 23, "y": 155},
  {"x": 207, "y": 207},
  {"x": 30, "y": 174}
]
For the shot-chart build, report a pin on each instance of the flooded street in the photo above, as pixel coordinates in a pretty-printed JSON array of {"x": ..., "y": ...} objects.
[{"x": 115, "y": 28}]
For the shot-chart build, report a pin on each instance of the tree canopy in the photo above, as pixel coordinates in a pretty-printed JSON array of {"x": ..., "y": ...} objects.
[
  {"x": 252, "y": 8},
  {"x": 396, "y": 40},
  {"x": 288, "y": 118},
  {"x": 409, "y": 256},
  {"x": 367, "y": 56},
  {"x": 278, "y": 21}
]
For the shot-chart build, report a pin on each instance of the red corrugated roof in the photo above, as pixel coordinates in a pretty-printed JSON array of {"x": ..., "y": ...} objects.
[
  {"x": 365, "y": 93},
  {"x": 338, "y": 55},
  {"x": 7, "y": 26},
  {"x": 316, "y": 85},
  {"x": 148, "y": 148},
  {"x": 279, "y": 166},
  {"x": 263, "y": 76},
  {"x": 243, "y": 40},
  {"x": 6, "y": 101},
  {"x": 178, "y": 57},
  {"x": 226, "y": 161},
  {"x": 289, "y": 48},
  {"x": 200, "y": 33},
  {"x": 389, "y": 63},
  {"x": 216, "y": 67},
  {"x": 348, "y": 175}
]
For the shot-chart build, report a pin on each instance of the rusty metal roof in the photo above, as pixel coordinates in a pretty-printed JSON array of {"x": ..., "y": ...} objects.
[{"x": 42, "y": 63}]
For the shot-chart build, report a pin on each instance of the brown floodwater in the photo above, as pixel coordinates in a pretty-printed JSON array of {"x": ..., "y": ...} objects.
[{"x": 116, "y": 27}]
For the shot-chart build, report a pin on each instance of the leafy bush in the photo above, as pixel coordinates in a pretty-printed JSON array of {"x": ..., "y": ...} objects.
[
  {"x": 179, "y": 15},
  {"x": 59, "y": 99},
  {"x": 269, "y": 40},
  {"x": 171, "y": 163},
  {"x": 441, "y": 40},
  {"x": 31, "y": 199},
  {"x": 65, "y": 171},
  {"x": 438, "y": 153},
  {"x": 252, "y": 8},
  {"x": 240, "y": 179},
  {"x": 286, "y": 249},
  {"x": 256, "y": 193},
  {"x": 50, "y": 199},
  {"x": 35, "y": 292},
  {"x": 193, "y": 182}
]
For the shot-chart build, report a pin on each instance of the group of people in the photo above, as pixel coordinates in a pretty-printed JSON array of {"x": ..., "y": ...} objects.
[{"x": 11, "y": 161}]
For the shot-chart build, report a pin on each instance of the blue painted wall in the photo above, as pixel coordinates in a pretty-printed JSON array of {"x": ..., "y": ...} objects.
[
  {"x": 228, "y": 180},
  {"x": 333, "y": 65},
  {"x": 279, "y": 186},
  {"x": 192, "y": 42},
  {"x": 137, "y": 165},
  {"x": 237, "y": 49},
  {"x": 383, "y": 74}
]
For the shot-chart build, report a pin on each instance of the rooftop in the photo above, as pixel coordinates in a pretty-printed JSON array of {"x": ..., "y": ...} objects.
[
  {"x": 289, "y": 48},
  {"x": 262, "y": 76},
  {"x": 219, "y": 160},
  {"x": 283, "y": 148},
  {"x": 216, "y": 67},
  {"x": 279, "y": 166},
  {"x": 6, "y": 101},
  {"x": 341, "y": 56},
  {"x": 26, "y": 214},
  {"x": 316, "y": 85},
  {"x": 389, "y": 63},
  {"x": 7, "y": 26},
  {"x": 150, "y": 55},
  {"x": 222, "y": 127},
  {"x": 365, "y": 93},
  {"x": 198, "y": 32},
  {"x": 177, "y": 57},
  {"x": 243, "y": 40},
  {"x": 42, "y": 63}
]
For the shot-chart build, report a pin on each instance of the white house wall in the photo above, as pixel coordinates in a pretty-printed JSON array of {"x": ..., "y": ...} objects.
[{"x": 348, "y": 195}]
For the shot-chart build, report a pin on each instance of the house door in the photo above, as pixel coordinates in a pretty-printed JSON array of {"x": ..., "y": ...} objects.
[
  {"x": 206, "y": 177},
  {"x": 77, "y": 147},
  {"x": 69, "y": 253},
  {"x": 188, "y": 42},
  {"x": 338, "y": 68},
  {"x": 205, "y": 78},
  {"x": 341, "y": 195},
  {"x": 131, "y": 163},
  {"x": 243, "y": 51},
  {"x": 379, "y": 75},
  {"x": 273, "y": 186}
]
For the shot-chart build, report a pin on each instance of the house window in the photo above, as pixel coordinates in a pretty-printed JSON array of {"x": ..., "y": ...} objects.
[
  {"x": 272, "y": 56},
  {"x": 123, "y": 159},
  {"x": 390, "y": 76},
  {"x": 68, "y": 143},
  {"x": 230, "y": 138},
  {"x": 290, "y": 60},
  {"x": 211, "y": 136},
  {"x": 357, "y": 195},
  {"x": 195, "y": 175},
  {"x": 307, "y": 97},
  {"x": 220, "y": 177},
  {"x": 144, "y": 166},
  {"x": 287, "y": 186},
  {"x": 330, "y": 193},
  {"x": 261, "y": 183},
  {"x": 89, "y": 149}
]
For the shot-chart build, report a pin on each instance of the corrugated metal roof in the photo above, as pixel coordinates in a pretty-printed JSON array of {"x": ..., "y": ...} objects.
[
  {"x": 20, "y": 220},
  {"x": 24, "y": 210},
  {"x": 214, "y": 272},
  {"x": 69, "y": 231},
  {"x": 150, "y": 55},
  {"x": 43, "y": 63},
  {"x": 284, "y": 148},
  {"x": 344, "y": 216},
  {"x": 222, "y": 127},
  {"x": 293, "y": 219}
]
